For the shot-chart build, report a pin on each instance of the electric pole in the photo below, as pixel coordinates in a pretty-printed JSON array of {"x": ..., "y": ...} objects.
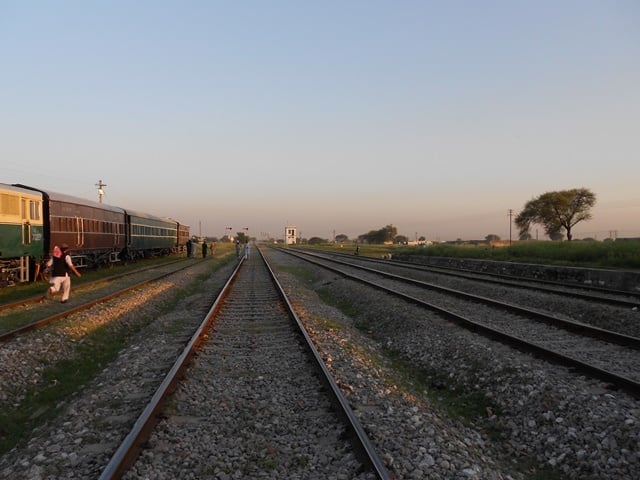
[
  {"x": 100, "y": 189},
  {"x": 510, "y": 214}
]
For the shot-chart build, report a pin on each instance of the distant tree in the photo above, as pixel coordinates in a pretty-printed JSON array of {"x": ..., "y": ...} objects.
[
  {"x": 390, "y": 232},
  {"x": 401, "y": 239},
  {"x": 492, "y": 238},
  {"x": 341, "y": 238},
  {"x": 525, "y": 236},
  {"x": 422, "y": 238},
  {"x": 557, "y": 210},
  {"x": 317, "y": 241},
  {"x": 385, "y": 234},
  {"x": 556, "y": 236}
]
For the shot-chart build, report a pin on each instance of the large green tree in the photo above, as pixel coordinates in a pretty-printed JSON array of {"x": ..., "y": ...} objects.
[{"x": 557, "y": 210}]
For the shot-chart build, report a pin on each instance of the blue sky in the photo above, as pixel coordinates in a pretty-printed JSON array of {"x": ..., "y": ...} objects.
[{"x": 335, "y": 116}]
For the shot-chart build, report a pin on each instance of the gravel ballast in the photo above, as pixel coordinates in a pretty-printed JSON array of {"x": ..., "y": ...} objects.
[{"x": 540, "y": 418}]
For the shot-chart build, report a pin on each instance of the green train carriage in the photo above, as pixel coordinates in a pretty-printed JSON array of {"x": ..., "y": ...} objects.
[
  {"x": 149, "y": 236},
  {"x": 22, "y": 242}
]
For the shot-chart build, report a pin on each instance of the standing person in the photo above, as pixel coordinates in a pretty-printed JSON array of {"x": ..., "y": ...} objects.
[
  {"x": 246, "y": 251},
  {"x": 189, "y": 248},
  {"x": 60, "y": 264},
  {"x": 237, "y": 248},
  {"x": 204, "y": 249}
]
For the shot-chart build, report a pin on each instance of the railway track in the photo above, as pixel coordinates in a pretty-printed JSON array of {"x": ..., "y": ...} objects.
[
  {"x": 587, "y": 292},
  {"x": 257, "y": 400},
  {"x": 31, "y": 299},
  {"x": 609, "y": 356},
  {"x": 15, "y": 320}
]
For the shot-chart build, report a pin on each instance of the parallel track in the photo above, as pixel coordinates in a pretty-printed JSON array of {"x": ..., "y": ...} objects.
[
  {"x": 593, "y": 293},
  {"x": 66, "y": 311},
  {"x": 594, "y": 354},
  {"x": 108, "y": 278}
]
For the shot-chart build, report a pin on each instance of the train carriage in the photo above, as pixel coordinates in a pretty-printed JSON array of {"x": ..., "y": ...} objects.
[
  {"x": 183, "y": 237},
  {"x": 94, "y": 232},
  {"x": 22, "y": 243},
  {"x": 32, "y": 221},
  {"x": 148, "y": 235}
]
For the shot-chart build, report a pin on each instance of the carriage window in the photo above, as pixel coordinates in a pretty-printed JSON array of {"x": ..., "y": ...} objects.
[
  {"x": 9, "y": 204},
  {"x": 34, "y": 210}
]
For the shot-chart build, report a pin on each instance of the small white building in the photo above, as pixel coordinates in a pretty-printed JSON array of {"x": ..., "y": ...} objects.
[{"x": 290, "y": 234}]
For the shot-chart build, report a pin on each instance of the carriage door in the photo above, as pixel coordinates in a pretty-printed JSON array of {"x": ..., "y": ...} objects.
[
  {"x": 79, "y": 232},
  {"x": 26, "y": 239},
  {"x": 26, "y": 225}
]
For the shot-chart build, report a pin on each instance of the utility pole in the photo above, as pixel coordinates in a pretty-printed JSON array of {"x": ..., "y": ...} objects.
[
  {"x": 100, "y": 189},
  {"x": 510, "y": 214}
]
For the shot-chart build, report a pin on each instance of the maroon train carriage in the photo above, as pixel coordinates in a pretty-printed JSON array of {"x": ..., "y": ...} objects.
[
  {"x": 99, "y": 234},
  {"x": 183, "y": 236},
  {"x": 94, "y": 232}
]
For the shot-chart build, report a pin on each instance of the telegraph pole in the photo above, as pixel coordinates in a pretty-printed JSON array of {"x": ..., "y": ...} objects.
[
  {"x": 510, "y": 214},
  {"x": 100, "y": 189}
]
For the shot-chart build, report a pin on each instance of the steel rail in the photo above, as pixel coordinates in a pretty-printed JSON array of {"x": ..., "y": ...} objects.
[
  {"x": 130, "y": 448},
  {"x": 620, "y": 381},
  {"x": 363, "y": 447}
]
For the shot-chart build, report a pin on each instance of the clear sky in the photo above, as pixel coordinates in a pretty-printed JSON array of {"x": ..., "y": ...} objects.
[{"x": 335, "y": 116}]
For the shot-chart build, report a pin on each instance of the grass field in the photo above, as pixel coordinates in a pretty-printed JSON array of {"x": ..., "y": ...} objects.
[{"x": 623, "y": 255}]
